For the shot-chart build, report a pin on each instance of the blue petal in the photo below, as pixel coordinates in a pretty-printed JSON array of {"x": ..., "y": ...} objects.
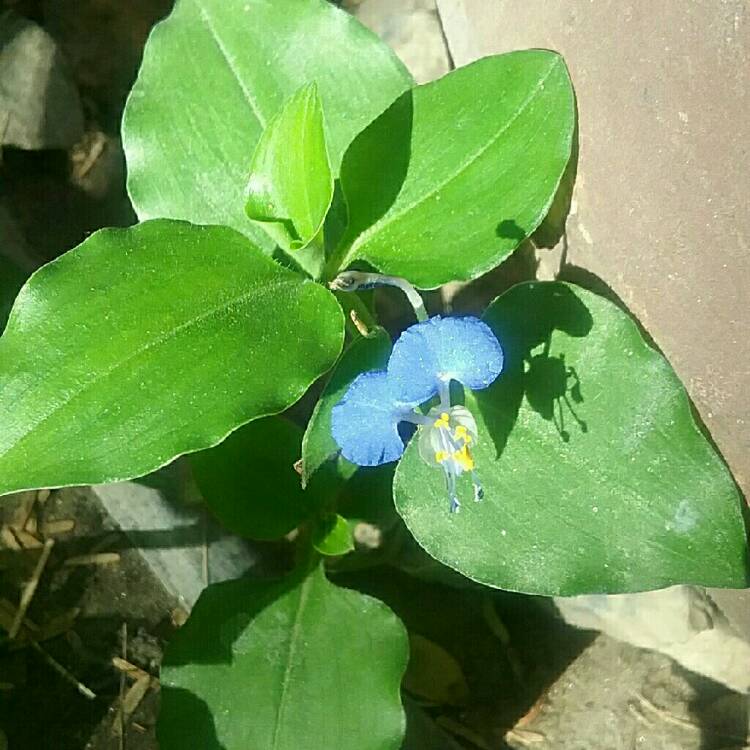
[
  {"x": 463, "y": 349},
  {"x": 365, "y": 422}
]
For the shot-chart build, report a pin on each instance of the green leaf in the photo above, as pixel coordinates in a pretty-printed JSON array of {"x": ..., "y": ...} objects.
[
  {"x": 318, "y": 446},
  {"x": 145, "y": 343},
  {"x": 250, "y": 483},
  {"x": 596, "y": 477},
  {"x": 291, "y": 186},
  {"x": 287, "y": 665},
  {"x": 456, "y": 173},
  {"x": 333, "y": 536},
  {"x": 213, "y": 76}
]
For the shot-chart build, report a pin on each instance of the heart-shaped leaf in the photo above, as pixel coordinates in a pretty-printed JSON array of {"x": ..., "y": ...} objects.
[
  {"x": 145, "y": 343},
  {"x": 215, "y": 73},
  {"x": 596, "y": 477},
  {"x": 291, "y": 185},
  {"x": 250, "y": 483},
  {"x": 456, "y": 173},
  {"x": 262, "y": 665}
]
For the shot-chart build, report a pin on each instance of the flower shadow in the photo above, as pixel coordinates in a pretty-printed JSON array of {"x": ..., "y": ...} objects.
[
  {"x": 553, "y": 389},
  {"x": 524, "y": 319},
  {"x": 220, "y": 616},
  {"x": 510, "y": 230}
]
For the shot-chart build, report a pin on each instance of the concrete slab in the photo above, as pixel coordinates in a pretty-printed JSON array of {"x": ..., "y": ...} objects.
[{"x": 660, "y": 205}]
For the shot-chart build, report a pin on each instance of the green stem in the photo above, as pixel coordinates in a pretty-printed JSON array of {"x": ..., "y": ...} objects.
[
  {"x": 305, "y": 555},
  {"x": 350, "y": 281},
  {"x": 334, "y": 262}
]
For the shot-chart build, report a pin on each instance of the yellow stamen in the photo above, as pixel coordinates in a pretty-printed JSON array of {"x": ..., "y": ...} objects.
[
  {"x": 442, "y": 421},
  {"x": 462, "y": 433},
  {"x": 440, "y": 456},
  {"x": 464, "y": 458}
]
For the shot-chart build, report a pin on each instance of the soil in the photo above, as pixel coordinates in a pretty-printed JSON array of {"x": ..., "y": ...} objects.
[{"x": 115, "y": 607}]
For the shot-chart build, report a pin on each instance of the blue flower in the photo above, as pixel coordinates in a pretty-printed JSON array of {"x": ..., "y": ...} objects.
[
  {"x": 365, "y": 422},
  {"x": 428, "y": 355}
]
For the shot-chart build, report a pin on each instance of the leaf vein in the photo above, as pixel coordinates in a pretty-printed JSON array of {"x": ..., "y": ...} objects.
[
  {"x": 206, "y": 19},
  {"x": 291, "y": 652},
  {"x": 160, "y": 339}
]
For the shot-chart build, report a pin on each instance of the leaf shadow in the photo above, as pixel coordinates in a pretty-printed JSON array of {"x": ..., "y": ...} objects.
[
  {"x": 220, "y": 616},
  {"x": 375, "y": 165},
  {"x": 509, "y": 229},
  {"x": 185, "y": 721},
  {"x": 552, "y": 228},
  {"x": 525, "y": 319}
]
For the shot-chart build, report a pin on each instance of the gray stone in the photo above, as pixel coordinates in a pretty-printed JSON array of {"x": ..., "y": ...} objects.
[
  {"x": 199, "y": 552},
  {"x": 39, "y": 103},
  {"x": 412, "y": 29},
  {"x": 735, "y": 605},
  {"x": 617, "y": 697},
  {"x": 660, "y": 205},
  {"x": 682, "y": 622}
]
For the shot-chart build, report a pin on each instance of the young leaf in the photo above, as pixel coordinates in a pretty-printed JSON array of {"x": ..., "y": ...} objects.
[
  {"x": 456, "y": 173},
  {"x": 596, "y": 477},
  {"x": 332, "y": 536},
  {"x": 262, "y": 665},
  {"x": 250, "y": 483},
  {"x": 318, "y": 446},
  {"x": 213, "y": 76},
  {"x": 145, "y": 343},
  {"x": 291, "y": 185}
]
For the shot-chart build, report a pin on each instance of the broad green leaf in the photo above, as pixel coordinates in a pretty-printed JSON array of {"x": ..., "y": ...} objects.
[
  {"x": 333, "y": 536},
  {"x": 318, "y": 446},
  {"x": 215, "y": 73},
  {"x": 250, "y": 483},
  {"x": 596, "y": 477},
  {"x": 145, "y": 343},
  {"x": 291, "y": 186},
  {"x": 287, "y": 665},
  {"x": 456, "y": 173}
]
